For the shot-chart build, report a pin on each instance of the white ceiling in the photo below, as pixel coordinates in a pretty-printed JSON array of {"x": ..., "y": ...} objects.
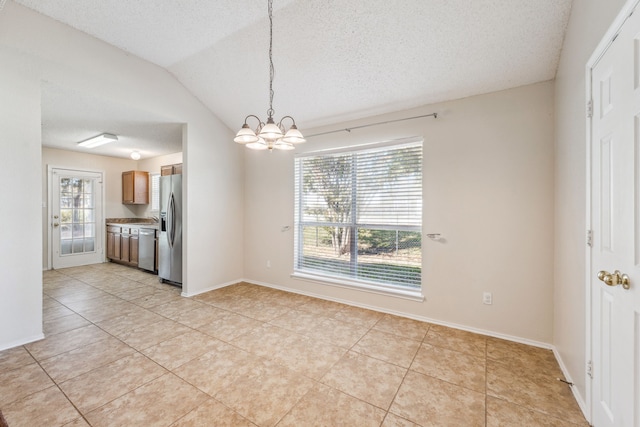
[
  {"x": 335, "y": 60},
  {"x": 69, "y": 117}
]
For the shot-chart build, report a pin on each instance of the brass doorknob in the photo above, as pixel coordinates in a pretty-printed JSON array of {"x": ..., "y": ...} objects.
[
  {"x": 55, "y": 224},
  {"x": 614, "y": 279}
]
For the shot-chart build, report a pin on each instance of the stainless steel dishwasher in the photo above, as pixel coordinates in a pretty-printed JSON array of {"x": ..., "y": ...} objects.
[{"x": 147, "y": 249}]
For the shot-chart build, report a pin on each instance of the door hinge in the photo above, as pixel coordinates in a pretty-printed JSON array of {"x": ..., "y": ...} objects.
[
  {"x": 590, "y": 369},
  {"x": 590, "y": 238},
  {"x": 590, "y": 108}
]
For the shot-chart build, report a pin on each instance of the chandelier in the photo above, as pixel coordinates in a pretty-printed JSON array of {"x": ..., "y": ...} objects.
[{"x": 269, "y": 135}]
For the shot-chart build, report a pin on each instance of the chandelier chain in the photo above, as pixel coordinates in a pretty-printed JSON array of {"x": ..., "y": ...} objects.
[
  {"x": 270, "y": 111},
  {"x": 269, "y": 135}
]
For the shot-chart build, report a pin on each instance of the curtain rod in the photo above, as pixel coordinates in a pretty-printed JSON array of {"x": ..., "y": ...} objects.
[{"x": 434, "y": 115}]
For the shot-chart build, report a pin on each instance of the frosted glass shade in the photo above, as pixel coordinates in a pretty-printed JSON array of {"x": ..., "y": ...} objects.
[
  {"x": 245, "y": 135},
  {"x": 282, "y": 145},
  {"x": 260, "y": 144},
  {"x": 270, "y": 131},
  {"x": 293, "y": 136}
]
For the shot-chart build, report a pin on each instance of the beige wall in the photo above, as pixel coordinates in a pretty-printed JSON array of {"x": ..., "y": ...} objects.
[
  {"x": 33, "y": 49},
  {"x": 488, "y": 189},
  {"x": 20, "y": 244},
  {"x": 587, "y": 25}
]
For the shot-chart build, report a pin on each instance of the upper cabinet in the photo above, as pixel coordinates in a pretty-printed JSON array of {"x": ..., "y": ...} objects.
[
  {"x": 135, "y": 188},
  {"x": 171, "y": 169}
]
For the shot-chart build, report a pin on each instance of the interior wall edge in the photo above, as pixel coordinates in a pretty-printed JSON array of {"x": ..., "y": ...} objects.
[
  {"x": 575, "y": 390},
  {"x": 211, "y": 288},
  {"x": 22, "y": 341}
]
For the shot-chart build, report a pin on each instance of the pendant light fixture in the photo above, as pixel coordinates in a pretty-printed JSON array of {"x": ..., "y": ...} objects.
[{"x": 269, "y": 135}]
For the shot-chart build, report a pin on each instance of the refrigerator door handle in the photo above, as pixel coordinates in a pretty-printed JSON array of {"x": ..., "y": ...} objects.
[{"x": 172, "y": 227}]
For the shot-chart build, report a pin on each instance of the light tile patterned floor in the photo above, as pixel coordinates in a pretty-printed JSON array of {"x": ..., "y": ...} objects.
[{"x": 123, "y": 350}]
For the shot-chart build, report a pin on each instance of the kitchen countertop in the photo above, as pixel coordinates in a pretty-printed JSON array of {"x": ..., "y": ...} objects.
[{"x": 134, "y": 224}]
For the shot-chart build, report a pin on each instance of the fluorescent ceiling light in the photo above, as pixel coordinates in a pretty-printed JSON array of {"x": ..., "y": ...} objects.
[{"x": 96, "y": 141}]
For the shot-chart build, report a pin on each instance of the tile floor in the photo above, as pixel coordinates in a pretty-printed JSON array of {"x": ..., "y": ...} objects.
[{"x": 123, "y": 350}]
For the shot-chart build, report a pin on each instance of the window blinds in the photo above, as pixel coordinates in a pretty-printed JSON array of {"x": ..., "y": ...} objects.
[{"x": 359, "y": 214}]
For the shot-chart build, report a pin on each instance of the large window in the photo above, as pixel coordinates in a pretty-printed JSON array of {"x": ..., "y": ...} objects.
[{"x": 359, "y": 214}]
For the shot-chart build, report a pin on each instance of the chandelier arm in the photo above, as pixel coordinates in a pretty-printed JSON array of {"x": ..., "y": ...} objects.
[
  {"x": 255, "y": 117},
  {"x": 286, "y": 117}
]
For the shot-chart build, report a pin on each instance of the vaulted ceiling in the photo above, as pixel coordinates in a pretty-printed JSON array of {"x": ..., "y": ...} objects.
[{"x": 335, "y": 60}]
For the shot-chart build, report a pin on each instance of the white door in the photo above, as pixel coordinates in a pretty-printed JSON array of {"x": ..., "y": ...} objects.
[
  {"x": 76, "y": 218},
  {"x": 615, "y": 216}
]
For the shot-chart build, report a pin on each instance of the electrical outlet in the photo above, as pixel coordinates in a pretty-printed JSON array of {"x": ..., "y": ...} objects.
[
  {"x": 268, "y": 264},
  {"x": 487, "y": 298}
]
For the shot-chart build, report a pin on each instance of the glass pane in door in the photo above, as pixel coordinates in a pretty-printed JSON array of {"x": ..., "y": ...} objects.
[{"x": 77, "y": 216}]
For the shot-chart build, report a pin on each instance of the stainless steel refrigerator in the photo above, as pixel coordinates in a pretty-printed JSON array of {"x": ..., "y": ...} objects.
[{"x": 170, "y": 239}]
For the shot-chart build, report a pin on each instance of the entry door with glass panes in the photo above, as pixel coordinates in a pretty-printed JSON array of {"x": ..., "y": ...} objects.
[{"x": 76, "y": 218}]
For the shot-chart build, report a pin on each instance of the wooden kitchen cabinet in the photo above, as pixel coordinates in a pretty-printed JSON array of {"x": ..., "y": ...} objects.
[
  {"x": 135, "y": 188},
  {"x": 171, "y": 169},
  {"x": 113, "y": 236},
  {"x": 110, "y": 243},
  {"x": 122, "y": 245},
  {"x": 133, "y": 248}
]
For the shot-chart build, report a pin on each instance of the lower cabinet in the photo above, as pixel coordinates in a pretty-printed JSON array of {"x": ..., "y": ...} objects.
[
  {"x": 133, "y": 248},
  {"x": 111, "y": 243},
  {"x": 122, "y": 245},
  {"x": 114, "y": 246}
]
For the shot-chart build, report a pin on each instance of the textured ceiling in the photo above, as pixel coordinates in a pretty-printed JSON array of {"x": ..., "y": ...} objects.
[
  {"x": 335, "y": 60},
  {"x": 69, "y": 117}
]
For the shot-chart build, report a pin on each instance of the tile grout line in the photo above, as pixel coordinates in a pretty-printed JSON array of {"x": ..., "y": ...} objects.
[
  {"x": 267, "y": 322},
  {"x": 404, "y": 377},
  {"x": 56, "y": 385},
  {"x": 166, "y": 371}
]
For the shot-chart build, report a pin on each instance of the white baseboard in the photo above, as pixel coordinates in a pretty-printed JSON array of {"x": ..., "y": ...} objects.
[
  {"x": 576, "y": 393},
  {"x": 22, "y": 341},
  {"x": 409, "y": 316},
  {"x": 211, "y": 288}
]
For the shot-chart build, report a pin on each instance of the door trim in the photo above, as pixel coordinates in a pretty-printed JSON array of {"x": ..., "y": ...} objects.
[
  {"x": 101, "y": 228},
  {"x": 606, "y": 41}
]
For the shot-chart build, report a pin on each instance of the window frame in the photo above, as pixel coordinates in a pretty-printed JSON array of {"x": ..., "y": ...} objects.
[
  {"x": 317, "y": 276},
  {"x": 154, "y": 193}
]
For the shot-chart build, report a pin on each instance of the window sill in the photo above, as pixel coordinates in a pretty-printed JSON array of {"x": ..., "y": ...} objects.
[{"x": 412, "y": 295}]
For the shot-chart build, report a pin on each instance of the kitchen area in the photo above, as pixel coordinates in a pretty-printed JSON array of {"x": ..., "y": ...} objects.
[
  {"x": 153, "y": 244},
  {"x": 107, "y": 202},
  {"x": 137, "y": 221}
]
